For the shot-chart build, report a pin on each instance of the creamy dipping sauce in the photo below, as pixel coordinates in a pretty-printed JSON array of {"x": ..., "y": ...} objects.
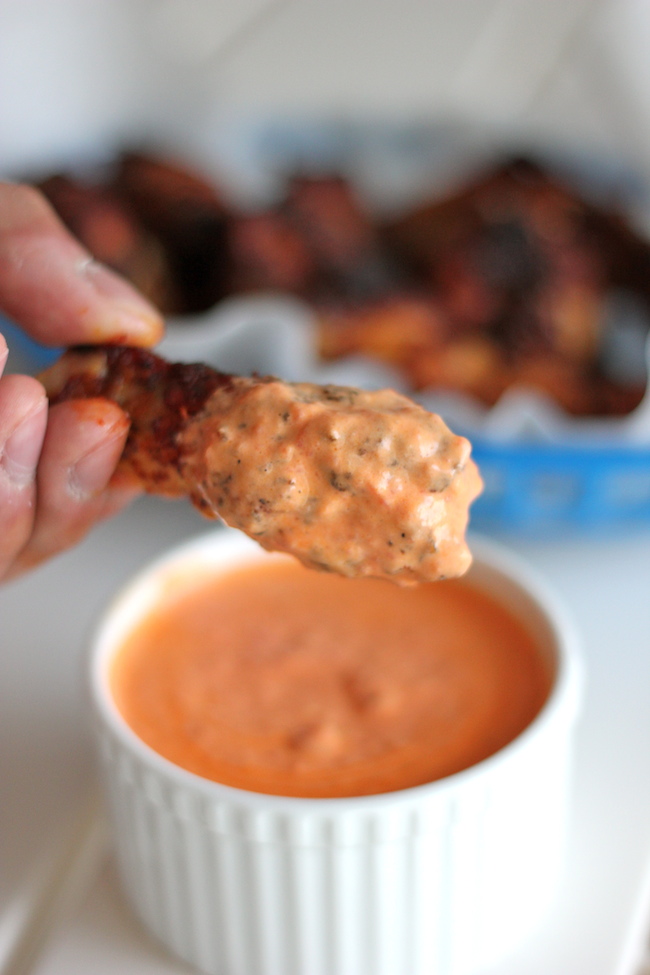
[
  {"x": 355, "y": 482},
  {"x": 280, "y": 680}
]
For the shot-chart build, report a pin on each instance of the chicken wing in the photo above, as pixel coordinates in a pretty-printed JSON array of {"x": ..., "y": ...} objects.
[{"x": 359, "y": 483}]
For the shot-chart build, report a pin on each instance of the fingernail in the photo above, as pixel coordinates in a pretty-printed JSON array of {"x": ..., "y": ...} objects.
[
  {"x": 92, "y": 472},
  {"x": 23, "y": 447},
  {"x": 125, "y": 314}
]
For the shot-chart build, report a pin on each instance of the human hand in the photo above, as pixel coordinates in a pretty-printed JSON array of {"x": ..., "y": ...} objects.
[{"x": 57, "y": 465}]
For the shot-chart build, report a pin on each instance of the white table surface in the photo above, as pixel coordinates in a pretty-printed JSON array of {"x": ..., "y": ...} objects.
[{"x": 61, "y": 911}]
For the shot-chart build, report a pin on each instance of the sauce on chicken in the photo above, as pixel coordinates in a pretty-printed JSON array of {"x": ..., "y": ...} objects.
[{"x": 354, "y": 482}]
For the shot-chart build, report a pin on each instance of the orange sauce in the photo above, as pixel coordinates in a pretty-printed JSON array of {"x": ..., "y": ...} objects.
[{"x": 280, "y": 680}]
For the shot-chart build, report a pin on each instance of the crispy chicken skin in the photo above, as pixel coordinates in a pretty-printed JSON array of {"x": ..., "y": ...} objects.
[
  {"x": 359, "y": 483},
  {"x": 511, "y": 278}
]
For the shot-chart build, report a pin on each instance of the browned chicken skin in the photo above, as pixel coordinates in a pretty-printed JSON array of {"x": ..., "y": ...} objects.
[
  {"x": 360, "y": 483},
  {"x": 511, "y": 279}
]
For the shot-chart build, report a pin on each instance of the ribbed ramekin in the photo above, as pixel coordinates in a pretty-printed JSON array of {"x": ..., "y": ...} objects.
[{"x": 441, "y": 879}]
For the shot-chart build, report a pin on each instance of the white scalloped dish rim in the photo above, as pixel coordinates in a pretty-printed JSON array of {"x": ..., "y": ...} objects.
[{"x": 274, "y": 334}]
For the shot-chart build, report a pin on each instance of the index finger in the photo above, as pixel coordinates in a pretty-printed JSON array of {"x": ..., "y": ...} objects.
[{"x": 50, "y": 285}]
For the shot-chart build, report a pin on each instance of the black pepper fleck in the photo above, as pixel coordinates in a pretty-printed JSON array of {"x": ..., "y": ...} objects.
[{"x": 341, "y": 482}]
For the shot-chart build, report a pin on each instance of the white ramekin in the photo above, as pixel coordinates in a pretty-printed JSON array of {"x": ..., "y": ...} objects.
[{"x": 440, "y": 879}]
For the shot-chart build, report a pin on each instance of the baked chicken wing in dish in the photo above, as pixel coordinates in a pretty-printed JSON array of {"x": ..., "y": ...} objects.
[{"x": 354, "y": 482}]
